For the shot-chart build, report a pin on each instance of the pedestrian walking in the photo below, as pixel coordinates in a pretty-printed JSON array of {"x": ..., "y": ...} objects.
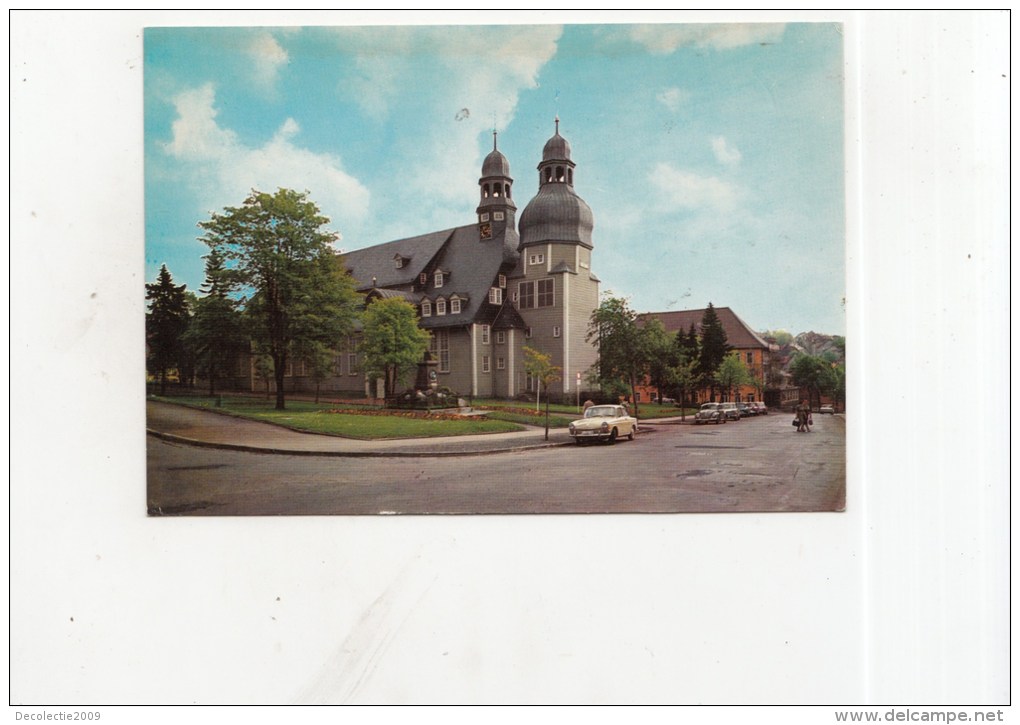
[{"x": 803, "y": 417}]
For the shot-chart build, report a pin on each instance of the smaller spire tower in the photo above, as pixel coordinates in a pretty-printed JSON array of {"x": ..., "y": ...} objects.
[{"x": 496, "y": 209}]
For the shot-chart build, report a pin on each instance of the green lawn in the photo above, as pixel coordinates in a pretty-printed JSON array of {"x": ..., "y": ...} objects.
[{"x": 366, "y": 423}]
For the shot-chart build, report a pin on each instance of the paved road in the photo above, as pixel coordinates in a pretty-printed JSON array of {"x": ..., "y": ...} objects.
[{"x": 758, "y": 464}]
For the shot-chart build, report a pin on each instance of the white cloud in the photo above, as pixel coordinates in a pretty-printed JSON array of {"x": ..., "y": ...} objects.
[
  {"x": 725, "y": 153},
  {"x": 687, "y": 190},
  {"x": 665, "y": 39},
  {"x": 222, "y": 170},
  {"x": 267, "y": 57},
  {"x": 673, "y": 98}
]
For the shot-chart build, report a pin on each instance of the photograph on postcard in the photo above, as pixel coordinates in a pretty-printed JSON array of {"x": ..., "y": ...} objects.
[{"x": 495, "y": 269}]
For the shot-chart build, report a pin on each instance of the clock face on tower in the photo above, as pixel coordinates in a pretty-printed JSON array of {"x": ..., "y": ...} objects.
[{"x": 485, "y": 230}]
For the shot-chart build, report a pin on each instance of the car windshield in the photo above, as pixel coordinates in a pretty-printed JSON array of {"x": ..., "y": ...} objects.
[
  {"x": 601, "y": 411},
  {"x": 708, "y": 406}
]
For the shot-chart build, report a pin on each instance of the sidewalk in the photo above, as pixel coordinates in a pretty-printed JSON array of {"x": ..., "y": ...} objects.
[{"x": 190, "y": 426}]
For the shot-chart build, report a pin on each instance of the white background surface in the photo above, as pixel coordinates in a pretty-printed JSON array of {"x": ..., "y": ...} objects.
[{"x": 901, "y": 600}]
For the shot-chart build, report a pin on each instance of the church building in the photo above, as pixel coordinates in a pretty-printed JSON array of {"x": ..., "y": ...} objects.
[{"x": 488, "y": 289}]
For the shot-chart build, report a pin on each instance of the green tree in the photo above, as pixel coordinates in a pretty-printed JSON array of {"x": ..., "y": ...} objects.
[
  {"x": 393, "y": 343},
  {"x": 318, "y": 360},
  {"x": 614, "y": 331},
  {"x": 813, "y": 373},
  {"x": 539, "y": 365},
  {"x": 660, "y": 356},
  {"x": 713, "y": 348},
  {"x": 165, "y": 324},
  {"x": 215, "y": 334},
  {"x": 275, "y": 249},
  {"x": 732, "y": 374}
]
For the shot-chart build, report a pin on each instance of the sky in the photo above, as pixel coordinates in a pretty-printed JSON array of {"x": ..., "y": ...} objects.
[{"x": 712, "y": 155}]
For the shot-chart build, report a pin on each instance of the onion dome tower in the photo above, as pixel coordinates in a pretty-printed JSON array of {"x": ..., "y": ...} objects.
[
  {"x": 496, "y": 209},
  {"x": 557, "y": 214}
]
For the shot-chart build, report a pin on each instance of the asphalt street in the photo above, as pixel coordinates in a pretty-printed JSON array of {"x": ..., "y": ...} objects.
[{"x": 754, "y": 465}]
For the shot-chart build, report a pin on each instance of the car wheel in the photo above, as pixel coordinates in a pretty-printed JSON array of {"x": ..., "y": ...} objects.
[
  {"x": 612, "y": 436},
  {"x": 630, "y": 436}
]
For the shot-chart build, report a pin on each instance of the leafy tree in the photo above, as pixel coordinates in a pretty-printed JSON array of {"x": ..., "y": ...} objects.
[
  {"x": 264, "y": 370},
  {"x": 393, "y": 343},
  {"x": 732, "y": 373},
  {"x": 814, "y": 373},
  {"x": 686, "y": 355},
  {"x": 318, "y": 360},
  {"x": 615, "y": 333},
  {"x": 660, "y": 354},
  {"x": 274, "y": 247},
  {"x": 165, "y": 323},
  {"x": 539, "y": 365},
  {"x": 713, "y": 348},
  {"x": 215, "y": 335},
  {"x": 782, "y": 337}
]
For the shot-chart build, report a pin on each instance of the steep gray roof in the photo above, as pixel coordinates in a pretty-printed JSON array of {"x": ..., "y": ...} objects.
[
  {"x": 738, "y": 334},
  {"x": 379, "y": 261},
  {"x": 471, "y": 264}
]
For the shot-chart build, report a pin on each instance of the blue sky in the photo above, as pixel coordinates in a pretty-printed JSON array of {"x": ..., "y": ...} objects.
[{"x": 711, "y": 154}]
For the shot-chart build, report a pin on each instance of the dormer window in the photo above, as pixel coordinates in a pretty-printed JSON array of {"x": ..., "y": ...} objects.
[
  {"x": 440, "y": 307},
  {"x": 399, "y": 261},
  {"x": 495, "y": 296},
  {"x": 426, "y": 308},
  {"x": 502, "y": 281},
  {"x": 439, "y": 279},
  {"x": 455, "y": 305},
  {"x": 423, "y": 279}
]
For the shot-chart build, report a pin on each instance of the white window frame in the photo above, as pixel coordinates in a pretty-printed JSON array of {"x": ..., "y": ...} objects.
[
  {"x": 502, "y": 281},
  {"x": 486, "y": 365},
  {"x": 556, "y": 330},
  {"x": 501, "y": 337},
  {"x": 501, "y": 363},
  {"x": 455, "y": 306},
  {"x": 485, "y": 334},
  {"x": 440, "y": 307},
  {"x": 495, "y": 296},
  {"x": 426, "y": 308},
  {"x": 439, "y": 279},
  {"x": 538, "y": 258}
]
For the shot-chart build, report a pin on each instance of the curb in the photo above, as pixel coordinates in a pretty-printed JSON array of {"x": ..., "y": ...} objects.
[{"x": 171, "y": 438}]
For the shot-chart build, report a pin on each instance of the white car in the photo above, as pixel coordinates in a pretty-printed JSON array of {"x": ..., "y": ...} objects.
[
  {"x": 827, "y": 409},
  {"x": 604, "y": 423}
]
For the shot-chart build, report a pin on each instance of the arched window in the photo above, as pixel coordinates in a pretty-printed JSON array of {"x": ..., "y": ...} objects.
[
  {"x": 548, "y": 174},
  {"x": 485, "y": 191},
  {"x": 570, "y": 176},
  {"x": 495, "y": 190},
  {"x": 506, "y": 190},
  {"x": 559, "y": 174}
]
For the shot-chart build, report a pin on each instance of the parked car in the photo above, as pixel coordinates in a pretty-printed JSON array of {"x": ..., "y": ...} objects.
[
  {"x": 730, "y": 410},
  {"x": 760, "y": 408},
  {"x": 827, "y": 409},
  {"x": 745, "y": 410},
  {"x": 604, "y": 423},
  {"x": 709, "y": 413}
]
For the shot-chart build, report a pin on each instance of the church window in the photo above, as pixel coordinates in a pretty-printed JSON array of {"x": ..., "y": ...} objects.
[
  {"x": 440, "y": 306},
  {"x": 527, "y": 295},
  {"x": 500, "y": 363},
  {"x": 506, "y": 190},
  {"x": 570, "y": 176},
  {"x": 398, "y": 262},
  {"x": 497, "y": 216},
  {"x": 495, "y": 190},
  {"x": 536, "y": 259},
  {"x": 545, "y": 293},
  {"x": 485, "y": 334},
  {"x": 559, "y": 174},
  {"x": 439, "y": 346},
  {"x": 495, "y": 296},
  {"x": 500, "y": 337},
  {"x": 439, "y": 279},
  {"x": 455, "y": 306},
  {"x": 426, "y": 309},
  {"x": 502, "y": 281},
  {"x": 485, "y": 363},
  {"x": 485, "y": 191},
  {"x": 548, "y": 174},
  {"x": 484, "y": 217}
]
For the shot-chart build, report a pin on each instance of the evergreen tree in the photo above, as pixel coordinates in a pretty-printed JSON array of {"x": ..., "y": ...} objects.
[
  {"x": 216, "y": 336},
  {"x": 713, "y": 348},
  {"x": 165, "y": 324}
]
